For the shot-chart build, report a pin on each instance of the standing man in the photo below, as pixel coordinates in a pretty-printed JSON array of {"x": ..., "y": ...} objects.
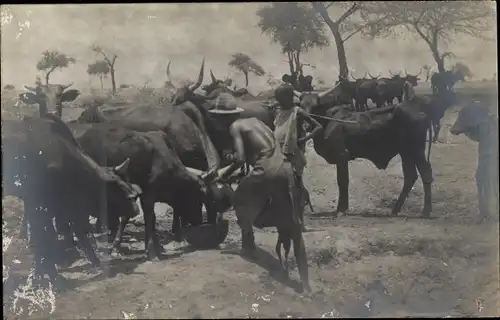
[
  {"x": 290, "y": 134},
  {"x": 476, "y": 123},
  {"x": 267, "y": 196}
]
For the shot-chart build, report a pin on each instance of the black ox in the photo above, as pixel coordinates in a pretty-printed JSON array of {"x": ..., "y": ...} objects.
[
  {"x": 378, "y": 135},
  {"x": 45, "y": 166}
]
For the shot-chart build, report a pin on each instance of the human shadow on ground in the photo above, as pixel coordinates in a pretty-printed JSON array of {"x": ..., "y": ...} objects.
[
  {"x": 268, "y": 262},
  {"x": 323, "y": 215},
  {"x": 385, "y": 215}
]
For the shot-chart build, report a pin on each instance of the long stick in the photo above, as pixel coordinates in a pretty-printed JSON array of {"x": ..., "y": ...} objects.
[{"x": 333, "y": 119}]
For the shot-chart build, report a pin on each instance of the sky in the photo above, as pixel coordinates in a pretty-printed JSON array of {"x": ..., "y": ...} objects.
[{"x": 146, "y": 36}]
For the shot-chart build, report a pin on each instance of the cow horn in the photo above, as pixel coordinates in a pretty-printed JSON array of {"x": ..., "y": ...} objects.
[
  {"x": 298, "y": 94},
  {"x": 30, "y": 88},
  {"x": 214, "y": 80},
  {"x": 364, "y": 76},
  {"x": 200, "y": 77},
  {"x": 122, "y": 168},
  {"x": 169, "y": 76},
  {"x": 406, "y": 73},
  {"x": 371, "y": 75},
  {"x": 67, "y": 86},
  {"x": 194, "y": 171},
  {"x": 324, "y": 93},
  {"x": 390, "y": 72}
]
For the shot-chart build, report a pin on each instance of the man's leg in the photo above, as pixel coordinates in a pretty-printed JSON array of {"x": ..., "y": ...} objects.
[
  {"x": 481, "y": 193},
  {"x": 249, "y": 200}
]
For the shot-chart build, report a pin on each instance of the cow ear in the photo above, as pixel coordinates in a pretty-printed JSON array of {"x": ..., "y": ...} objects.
[
  {"x": 70, "y": 95},
  {"x": 28, "y": 98}
]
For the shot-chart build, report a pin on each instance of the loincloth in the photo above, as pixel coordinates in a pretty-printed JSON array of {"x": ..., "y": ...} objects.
[{"x": 269, "y": 196}]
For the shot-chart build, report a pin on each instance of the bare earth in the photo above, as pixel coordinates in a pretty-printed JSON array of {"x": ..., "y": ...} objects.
[{"x": 366, "y": 264}]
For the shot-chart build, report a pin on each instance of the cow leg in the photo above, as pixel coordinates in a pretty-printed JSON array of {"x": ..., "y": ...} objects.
[
  {"x": 425, "y": 170},
  {"x": 176, "y": 225},
  {"x": 116, "y": 235},
  {"x": 299, "y": 250},
  {"x": 437, "y": 127},
  {"x": 59, "y": 111},
  {"x": 98, "y": 225},
  {"x": 147, "y": 204},
  {"x": 42, "y": 243},
  {"x": 23, "y": 233},
  {"x": 158, "y": 247},
  {"x": 343, "y": 184},
  {"x": 82, "y": 229},
  {"x": 63, "y": 228},
  {"x": 248, "y": 248},
  {"x": 285, "y": 240},
  {"x": 113, "y": 226},
  {"x": 410, "y": 176},
  {"x": 278, "y": 246}
]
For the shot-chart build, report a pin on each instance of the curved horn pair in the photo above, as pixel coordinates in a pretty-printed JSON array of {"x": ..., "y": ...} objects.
[
  {"x": 415, "y": 75},
  {"x": 191, "y": 87},
  {"x": 357, "y": 79},
  {"x": 373, "y": 76}
]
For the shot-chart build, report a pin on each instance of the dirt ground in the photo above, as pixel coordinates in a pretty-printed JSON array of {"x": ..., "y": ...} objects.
[{"x": 366, "y": 264}]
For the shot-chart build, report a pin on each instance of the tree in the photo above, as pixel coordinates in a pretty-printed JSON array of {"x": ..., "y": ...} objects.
[
  {"x": 245, "y": 64},
  {"x": 342, "y": 28},
  {"x": 99, "y": 68},
  {"x": 110, "y": 62},
  {"x": 295, "y": 27},
  {"x": 436, "y": 22},
  {"x": 51, "y": 60}
]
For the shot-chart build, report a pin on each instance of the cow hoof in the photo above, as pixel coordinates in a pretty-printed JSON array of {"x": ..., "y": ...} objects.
[
  {"x": 305, "y": 288},
  {"x": 426, "y": 214},
  {"x": 154, "y": 259},
  {"x": 177, "y": 237},
  {"x": 160, "y": 250},
  {"x": 116, "y": 254},
  {"x": 95, "y": 270}
]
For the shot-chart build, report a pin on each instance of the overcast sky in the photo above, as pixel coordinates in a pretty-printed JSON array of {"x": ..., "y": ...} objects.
[{"x": 147, "y": 36}]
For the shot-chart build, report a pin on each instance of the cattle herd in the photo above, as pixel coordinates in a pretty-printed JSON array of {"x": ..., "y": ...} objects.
[{"x": 100, "y": 164}]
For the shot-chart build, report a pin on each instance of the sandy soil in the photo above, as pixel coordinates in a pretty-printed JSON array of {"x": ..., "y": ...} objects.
[{"x": 366, "y": 264}]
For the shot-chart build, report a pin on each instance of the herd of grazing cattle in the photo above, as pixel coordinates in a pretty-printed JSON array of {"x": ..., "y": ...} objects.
[{"x": 100, "y": 164}]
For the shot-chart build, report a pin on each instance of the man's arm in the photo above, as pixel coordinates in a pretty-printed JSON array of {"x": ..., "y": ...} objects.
[
  {"x": 239, "y": 160},
  {"x": 315, "y": 124}
]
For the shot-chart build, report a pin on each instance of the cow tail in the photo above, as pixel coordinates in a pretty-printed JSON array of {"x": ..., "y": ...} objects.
[{"x": 429, "y": 130}]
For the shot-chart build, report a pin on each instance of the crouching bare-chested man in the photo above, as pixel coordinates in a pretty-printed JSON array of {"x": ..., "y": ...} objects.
[{"x": 268, "y": 196}]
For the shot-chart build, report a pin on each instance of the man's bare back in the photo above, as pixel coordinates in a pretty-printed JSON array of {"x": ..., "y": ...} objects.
[{"x": 253, "y": 139}]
